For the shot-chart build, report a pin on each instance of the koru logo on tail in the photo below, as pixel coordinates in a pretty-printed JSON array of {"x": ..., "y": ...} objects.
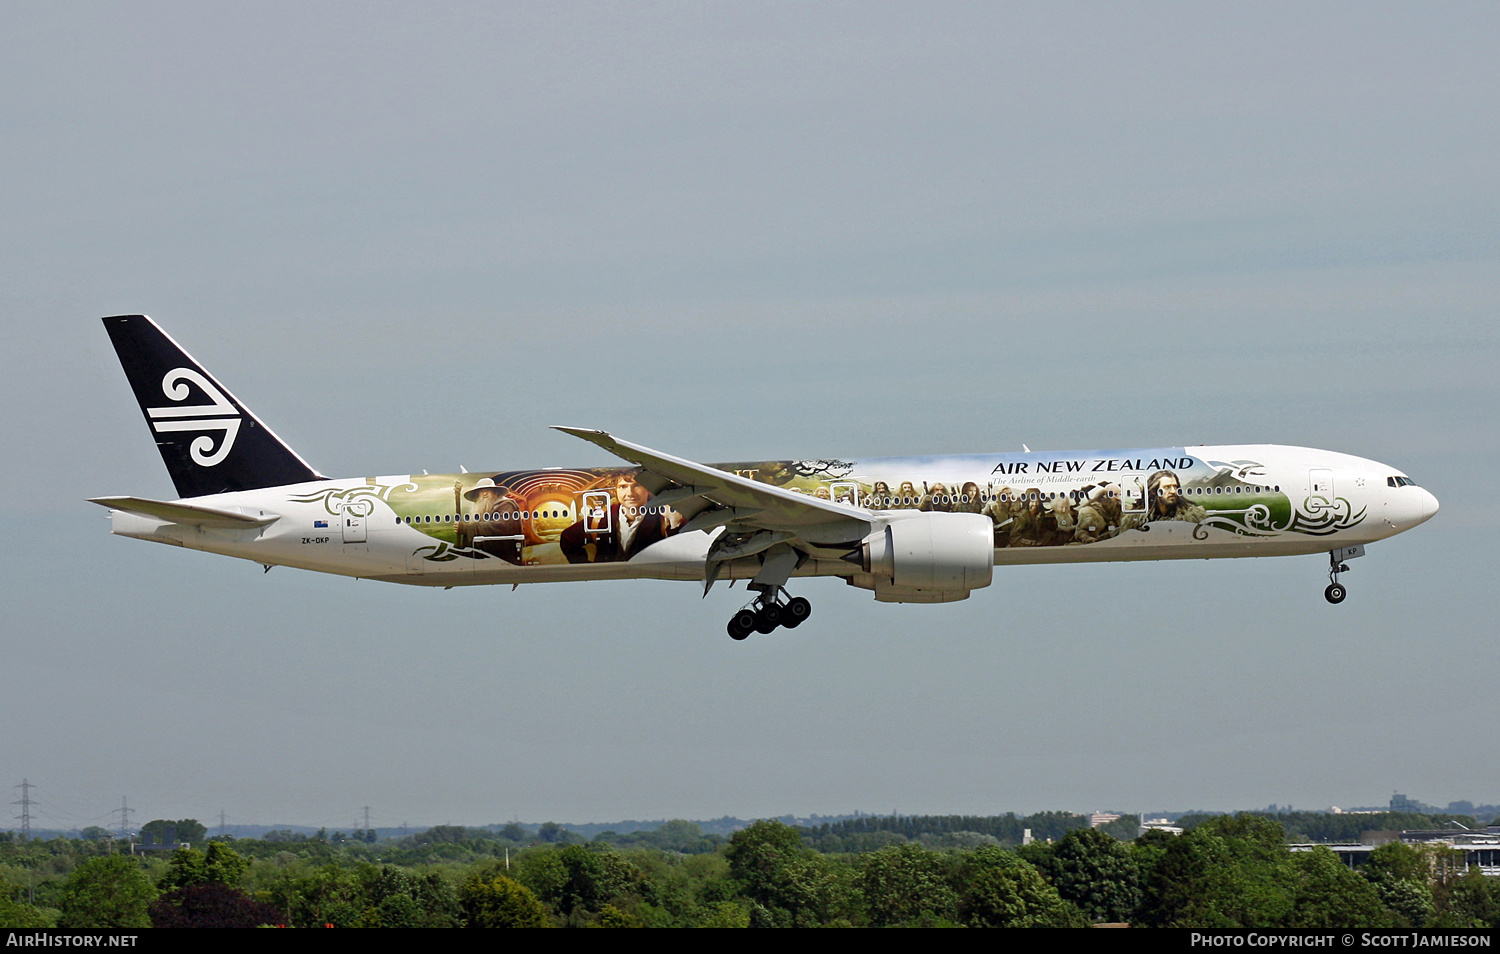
[{"x": 218, "y": 416}]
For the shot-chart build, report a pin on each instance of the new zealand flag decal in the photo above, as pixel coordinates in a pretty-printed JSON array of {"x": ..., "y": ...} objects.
[{"x": 320, "y": 524}]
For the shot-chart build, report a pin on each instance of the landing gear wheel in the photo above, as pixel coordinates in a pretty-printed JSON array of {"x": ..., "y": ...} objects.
[
  {"x": 768, "y": 611},
  {"x": 1336, "y": 565},
  {"x": 742, "y": 624},
  {"x": 767, "y": 618},
  {"x": 795, "y": 612}
]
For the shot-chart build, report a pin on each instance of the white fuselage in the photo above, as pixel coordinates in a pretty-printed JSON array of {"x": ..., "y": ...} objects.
[{"x": 514, "y": 527}]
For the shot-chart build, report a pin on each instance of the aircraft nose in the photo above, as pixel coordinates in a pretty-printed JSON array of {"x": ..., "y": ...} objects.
[
  {"x": 1409, "y": 506},
  {"x": 1428, "y": 507}
]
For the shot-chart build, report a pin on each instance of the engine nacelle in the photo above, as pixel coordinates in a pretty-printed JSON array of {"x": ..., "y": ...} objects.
[{"x": 929, "y": 558}]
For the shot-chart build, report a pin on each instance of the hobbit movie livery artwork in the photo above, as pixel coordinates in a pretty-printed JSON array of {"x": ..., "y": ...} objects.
[
  {"x": 605, "y": 515},
  {"x": 910, "y": 529}
]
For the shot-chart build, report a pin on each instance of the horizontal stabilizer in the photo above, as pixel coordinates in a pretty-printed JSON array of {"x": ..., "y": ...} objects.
[{"x": 190, "y": 514}]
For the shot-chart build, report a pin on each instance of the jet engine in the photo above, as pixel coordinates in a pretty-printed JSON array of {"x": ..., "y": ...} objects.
[{"x": 928, "y": 558}]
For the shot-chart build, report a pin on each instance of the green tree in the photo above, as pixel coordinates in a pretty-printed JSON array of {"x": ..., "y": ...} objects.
[
  {"x": 327, "y": 894},
  {"x": 613, "y": 917},
  {"x": 108, "y": 892},
  {"x": 15, "y": 913},
  {"x": 1330, "y": 895},
  {"x": 586, "y": 882},
  {"x": 1095, "y": 872},
  {"x": 394, "y": 898},
  {"x": 678, "y": 835},
  {"x": 1467, "y": 900},
  {"x": 219, "y": 864},
  {"x": 500, "y": 902},
  {"x": 725, "y": 914},
  {"x": 1001, "y": 890},
  {"x": 1123, "y": 828},
  {"x": 185, "y": 830},
  {"x": 789, "y": 885},
  {"x": 1229, "y": 872},
  {"x": 1401, "y": 874},
  {"x": 810, "y": 890},
  {"x": 439, "y": 834},
  {"x": 577, "y": 881},
  {"x": 1052, "y": 826},
  {"x": 907, "y": 884},
  {"x": 756, "y": 852},
  {"x": 210, "y": 905},
  {"x": 1149, "y": 846}
]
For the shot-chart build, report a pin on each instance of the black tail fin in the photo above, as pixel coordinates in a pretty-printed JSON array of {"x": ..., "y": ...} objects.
[{"x": 210, "y": 442}]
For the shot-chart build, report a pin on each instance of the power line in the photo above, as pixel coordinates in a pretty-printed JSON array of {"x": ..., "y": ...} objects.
[
  {"x": 124, "y": 811},
  {"x": 25, "y": 804}
]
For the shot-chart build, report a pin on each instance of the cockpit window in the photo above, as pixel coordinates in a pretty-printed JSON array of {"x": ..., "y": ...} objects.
[{"x": 1400, "y": 482}]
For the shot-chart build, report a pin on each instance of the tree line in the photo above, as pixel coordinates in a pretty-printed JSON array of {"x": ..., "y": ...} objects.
[{"x": 1225, "y": 871}]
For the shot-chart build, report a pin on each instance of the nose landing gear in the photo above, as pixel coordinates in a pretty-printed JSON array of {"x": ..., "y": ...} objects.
[
  {"x": 771, "y": 610},
  {"x": 1335, "y": 591}
]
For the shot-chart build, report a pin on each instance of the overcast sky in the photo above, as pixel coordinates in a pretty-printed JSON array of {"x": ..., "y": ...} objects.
[{"x": 414, "y": 236}]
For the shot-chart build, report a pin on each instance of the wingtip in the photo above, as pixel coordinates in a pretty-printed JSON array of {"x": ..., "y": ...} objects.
[{"x": 584, "y": 432}]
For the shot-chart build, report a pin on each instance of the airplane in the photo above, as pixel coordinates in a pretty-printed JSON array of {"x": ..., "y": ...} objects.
[{"x": 926, "y": 529}]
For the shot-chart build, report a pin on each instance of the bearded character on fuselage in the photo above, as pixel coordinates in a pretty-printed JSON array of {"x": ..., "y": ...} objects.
[{"x": 1166, "y": 502}]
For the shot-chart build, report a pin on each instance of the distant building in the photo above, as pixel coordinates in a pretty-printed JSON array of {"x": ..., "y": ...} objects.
[
  {"x": 1400, "y": 803},
  {"x": 168, "y": 842},
  {"x": 1481, "y": 848}
]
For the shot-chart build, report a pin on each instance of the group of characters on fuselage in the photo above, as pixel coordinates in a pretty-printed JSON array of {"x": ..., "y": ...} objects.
[
  {"x": 1032, "y": 517},
  {"x": 615, "y": 521},
  {"x": 613, "y": 518}
]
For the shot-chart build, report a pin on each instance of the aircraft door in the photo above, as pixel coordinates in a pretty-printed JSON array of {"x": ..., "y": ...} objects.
[
  {"x": 1132, "y": 491},
  {"x": 356, "y": 512},
  {"x": 1319, "y": 490},
  {"x": 844, "y": 492},
  {"x": 596, "y": 514}
]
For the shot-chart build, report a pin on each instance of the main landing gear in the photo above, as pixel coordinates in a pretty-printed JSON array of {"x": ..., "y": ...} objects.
[
  {"x": 1336, "y": 592},
  {"x": 770, "y": 610}
]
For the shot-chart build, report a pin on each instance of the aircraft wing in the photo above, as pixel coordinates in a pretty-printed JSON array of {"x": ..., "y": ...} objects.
[
  {"x": 195, "y": 515},
  {"x": 739, "y": 502}
]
